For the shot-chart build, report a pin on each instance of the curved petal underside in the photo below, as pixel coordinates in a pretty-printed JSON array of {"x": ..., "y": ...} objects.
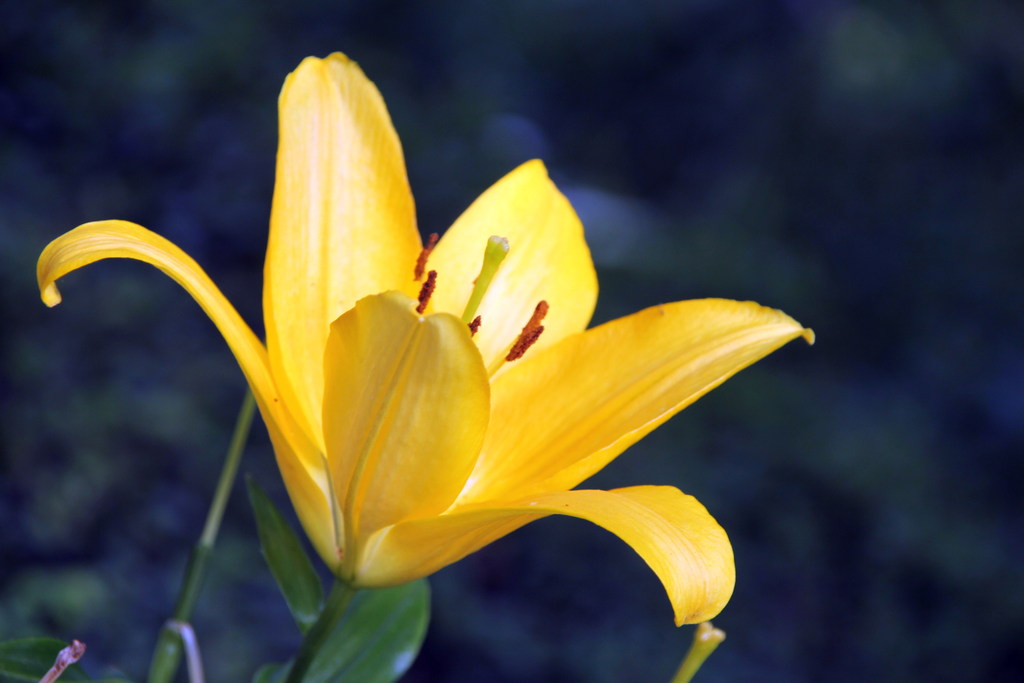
[{"x": 673, "y": 533}]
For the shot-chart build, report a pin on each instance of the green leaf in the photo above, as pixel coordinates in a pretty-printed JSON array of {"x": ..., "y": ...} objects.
[
  {"x": 28, "y": 659},
  {"x": 271, "y": 673},
  {"x": 378, "y": 638},
  {"x": 287, "y": 559}
]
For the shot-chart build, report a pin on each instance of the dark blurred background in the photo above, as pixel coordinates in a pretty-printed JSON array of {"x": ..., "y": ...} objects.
[{"x": 859, "y": 165}]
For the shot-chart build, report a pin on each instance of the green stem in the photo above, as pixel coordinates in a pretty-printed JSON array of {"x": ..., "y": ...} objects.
[
  {"x": 337, "y": 603},
  {"x": 167, "y": 654},
  {"x": 227, "y": 475}
]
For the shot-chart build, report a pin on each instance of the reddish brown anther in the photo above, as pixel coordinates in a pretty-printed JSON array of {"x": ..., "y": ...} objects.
[
  {"x": 426, "y": 290},
  {"x": 421, "y": 262},
  {"x": 474, "y": 326},
  {"x": 531, "y": 332}
]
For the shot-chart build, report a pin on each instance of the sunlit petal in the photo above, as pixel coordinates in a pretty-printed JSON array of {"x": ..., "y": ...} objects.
[
  {"x": 548, "y": 260},
  {"x": 342, "y": 224},
  {"x": 404, "y": 413},
  {"x": 561, "y": 415},
  {"x": 672, "y": 532}
]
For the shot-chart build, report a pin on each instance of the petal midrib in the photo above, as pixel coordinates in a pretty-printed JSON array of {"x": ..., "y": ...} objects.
[{"x": 369, "y": 452}]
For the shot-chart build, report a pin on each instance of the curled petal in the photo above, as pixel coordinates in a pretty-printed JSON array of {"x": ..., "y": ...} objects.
[
  {"x": 299, "y": 460},
  {"x": 673, "y": 533},
  {"x": 120, "y": 239}
]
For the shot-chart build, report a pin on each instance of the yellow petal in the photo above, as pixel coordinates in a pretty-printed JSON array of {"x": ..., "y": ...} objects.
[
  {"x": 561, "y": 415},
  {"x": 548, "y": 260},
  {"x": 297, "y": 457},
  {"x": 672, "y": 532},
  {"x": 405, "y": 411},
  {"x": 342, "y": 224},
  {"x": 120, "y": 239}
]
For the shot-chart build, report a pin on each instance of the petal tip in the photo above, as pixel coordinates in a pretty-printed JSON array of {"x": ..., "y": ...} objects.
[
  {"x": 532, "y": 167},
  {"x": 317, "y": 67},
  {"x": 808, "y": 335},
  {"x": 711, "y": 607},
  {"x": 537, "y": 165},
  {"x": 340, "y": 57},
  {"x": 51, "y": 295}
]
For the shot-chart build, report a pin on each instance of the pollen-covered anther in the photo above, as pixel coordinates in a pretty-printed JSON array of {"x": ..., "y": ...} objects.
[
  {"x": 531, "y": 332},
  {"x": 474, "y": 326},
  {"x": 421, "y": 260},
  {"x": 426, "y": 290}
]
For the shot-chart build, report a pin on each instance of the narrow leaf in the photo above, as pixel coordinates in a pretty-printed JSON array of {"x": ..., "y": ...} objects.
[
  {"x": 378, "y": 639},
  {"x": 287, "y": 560},
  {"x": 271, "y": 673}
]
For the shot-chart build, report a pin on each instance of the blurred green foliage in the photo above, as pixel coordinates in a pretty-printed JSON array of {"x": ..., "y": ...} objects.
[{"x": 856, "y": 164}]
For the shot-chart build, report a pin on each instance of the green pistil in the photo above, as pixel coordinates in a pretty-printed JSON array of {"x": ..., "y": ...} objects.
[
  {"x": 705, "y": 639},
  {"x": 494, "y": 254}
]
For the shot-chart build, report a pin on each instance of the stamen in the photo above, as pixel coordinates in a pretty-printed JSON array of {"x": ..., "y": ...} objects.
[
  {"x": 421, "y": 261},
  {"x": 474, "y": 326},
  {"x": 531, "y": 332},
  {"x": 426, "y": 290},
  {"x": 494, "y": 254}
]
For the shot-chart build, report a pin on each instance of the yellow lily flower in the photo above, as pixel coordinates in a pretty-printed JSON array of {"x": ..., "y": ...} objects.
[{"x": 405, "y": 441}]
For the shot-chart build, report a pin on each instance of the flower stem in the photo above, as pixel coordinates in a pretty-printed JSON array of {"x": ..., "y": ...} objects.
[
  {"x": 705, "y": 640},
  {"x": 334, "y": 608},
  {"x": 167, "y": 654}
]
